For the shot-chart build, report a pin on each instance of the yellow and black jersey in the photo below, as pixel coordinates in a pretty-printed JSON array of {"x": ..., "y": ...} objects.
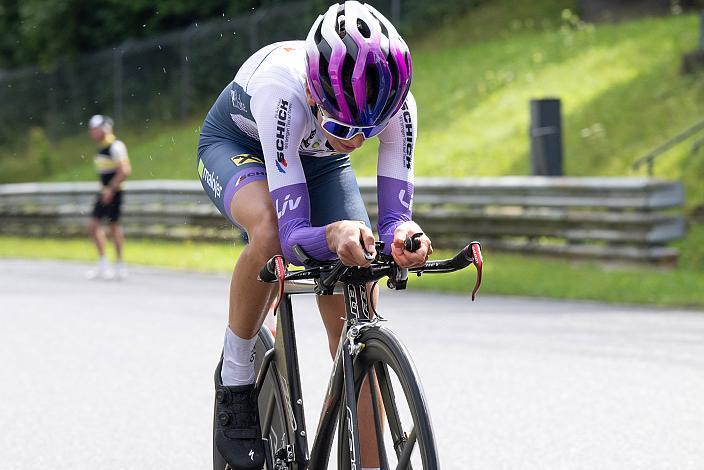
[{"x": 110, "y": 155}]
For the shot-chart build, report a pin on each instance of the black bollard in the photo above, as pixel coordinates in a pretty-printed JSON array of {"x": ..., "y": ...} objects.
[{"x": 545, "y": 137}]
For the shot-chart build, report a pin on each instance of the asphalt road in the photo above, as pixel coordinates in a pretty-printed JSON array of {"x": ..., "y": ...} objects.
[{"x": 118, "y": 375}]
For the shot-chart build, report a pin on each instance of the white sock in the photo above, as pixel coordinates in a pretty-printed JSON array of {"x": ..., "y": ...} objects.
[
  {"x": 103, "y": 262},
  {"x": 238, "y": 359}
]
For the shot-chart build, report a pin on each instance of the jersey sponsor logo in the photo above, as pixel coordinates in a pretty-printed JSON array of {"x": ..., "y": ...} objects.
[
  {"x": 305, "y": 143},
  {"x": 281, "y": 135},
  {"x": 408, "y": 136},
  {"x": 244, "y": 158},
  {"x": 249, "y": 175},
  {"x": 237, "y": 102},
  {"x": 210, "y": 179},
  {"x": 350, "y": 427},
  {"x": 288, "y": 204},
  {"x": 352, "y": 296},
  {"x": 402, "y": 199}
]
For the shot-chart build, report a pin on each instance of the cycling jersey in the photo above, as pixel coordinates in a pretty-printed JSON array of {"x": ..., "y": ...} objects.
[
  {"x": 264, "y": 109},
  {"x": 107, "y": 160}
]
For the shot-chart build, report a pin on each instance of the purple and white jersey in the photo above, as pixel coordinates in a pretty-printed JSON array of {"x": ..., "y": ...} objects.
[{"x": 272, "y": 84}]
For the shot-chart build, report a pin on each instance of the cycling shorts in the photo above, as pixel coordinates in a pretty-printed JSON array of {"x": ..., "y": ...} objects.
[{"x": 225, "y": 166}]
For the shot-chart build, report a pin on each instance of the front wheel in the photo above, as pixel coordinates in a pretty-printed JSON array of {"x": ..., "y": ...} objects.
[
  {"x": 400, "y": 423},
  {"x": 272, "y": 414}
]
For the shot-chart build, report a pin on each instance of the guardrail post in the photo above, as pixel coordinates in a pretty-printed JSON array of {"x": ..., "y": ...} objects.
[{"x": 546, "y": 137}]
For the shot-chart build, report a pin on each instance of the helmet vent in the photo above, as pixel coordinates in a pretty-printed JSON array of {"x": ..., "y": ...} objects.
[
  {"x": 318, "y": 36},
  {"x": 325, "y": 79},
  {"x": 364, "y": 29},
  {"x": 347, "y": 68},
  {"x": 394, "y": 79},
  {"x": 341, "y": 26},
  {"x": 384, "y": 29},
  {"x": 372, "y": 82}
]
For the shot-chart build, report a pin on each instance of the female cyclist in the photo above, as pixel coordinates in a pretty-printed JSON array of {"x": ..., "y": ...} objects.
[{"x": 273, "y": 156}]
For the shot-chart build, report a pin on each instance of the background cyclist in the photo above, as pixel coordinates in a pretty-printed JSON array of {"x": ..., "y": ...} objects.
[{"x": 273, "y": 156}]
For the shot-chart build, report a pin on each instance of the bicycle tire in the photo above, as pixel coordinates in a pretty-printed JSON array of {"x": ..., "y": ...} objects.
[
  {"x": 271, "y": 390},
  {"x": 385, "y": 354}
]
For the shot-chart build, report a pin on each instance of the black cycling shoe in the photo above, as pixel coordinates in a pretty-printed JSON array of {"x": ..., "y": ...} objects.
[{"x": 238, "y": 436}]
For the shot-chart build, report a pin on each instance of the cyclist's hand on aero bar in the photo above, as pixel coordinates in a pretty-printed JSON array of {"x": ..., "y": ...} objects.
[
  {"x": 405, "y": 258},
  {"x": 347, "y": 237}
]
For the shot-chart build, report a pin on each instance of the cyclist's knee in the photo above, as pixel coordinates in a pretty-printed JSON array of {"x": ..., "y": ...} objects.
[{"x": 264, "y": 237}]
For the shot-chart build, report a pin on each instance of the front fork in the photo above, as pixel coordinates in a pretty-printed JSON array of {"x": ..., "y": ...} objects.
[
  {"x": 358, "y": 319},
  {"x": 350, "y": 403}
]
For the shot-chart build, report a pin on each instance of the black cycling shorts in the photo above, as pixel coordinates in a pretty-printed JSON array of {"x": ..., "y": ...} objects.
[{"x": 110, "y": 211}]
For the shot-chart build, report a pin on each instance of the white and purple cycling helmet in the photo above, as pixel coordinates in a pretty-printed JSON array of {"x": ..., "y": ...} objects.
[{"x": 359, "y": 68}]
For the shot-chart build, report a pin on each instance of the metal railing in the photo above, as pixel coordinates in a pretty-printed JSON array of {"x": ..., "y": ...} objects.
[
  {"x": 627, "y": 219},
  {"x": 649, "y": 158}
]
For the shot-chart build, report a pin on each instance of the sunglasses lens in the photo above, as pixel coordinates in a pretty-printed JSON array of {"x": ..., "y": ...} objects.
[
  {"x": 338, "y": 130},
  {"x": 344, "y": 132},
  {"x": 372, "y": 131}
]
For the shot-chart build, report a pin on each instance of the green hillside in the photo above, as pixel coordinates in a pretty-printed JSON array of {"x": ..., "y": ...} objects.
[{"x": 620, "y": 85}]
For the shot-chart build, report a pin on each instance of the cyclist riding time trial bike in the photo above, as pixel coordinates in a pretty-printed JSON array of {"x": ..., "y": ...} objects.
[{"x": 368, "y": 352}]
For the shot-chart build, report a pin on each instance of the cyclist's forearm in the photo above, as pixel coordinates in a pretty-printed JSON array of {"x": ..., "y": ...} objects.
[
  {"x": 395, "y": 200},
  {"x": 311, "y": 239}
]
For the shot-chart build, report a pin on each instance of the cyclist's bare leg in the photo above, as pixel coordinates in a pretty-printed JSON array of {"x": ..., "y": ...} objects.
[
  {"x": 251, "y": 208},
  {"x": 96, "y": 233},
  {"x": 118, "y": 238},
  {"x": 332, "y": 311}
]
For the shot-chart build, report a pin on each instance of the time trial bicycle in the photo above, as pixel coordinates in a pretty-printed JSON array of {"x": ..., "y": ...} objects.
[{"x": 368, "y": 352}]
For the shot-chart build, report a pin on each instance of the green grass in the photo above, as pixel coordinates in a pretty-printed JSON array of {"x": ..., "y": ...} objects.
[
  {"x": 187, "y": 255},
  {"x": 620, "y": 84},
  {"x": 504, "y": 274}
]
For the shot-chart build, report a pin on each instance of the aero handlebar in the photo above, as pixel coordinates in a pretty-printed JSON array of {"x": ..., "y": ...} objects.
[{"x": 327, "y": 274}]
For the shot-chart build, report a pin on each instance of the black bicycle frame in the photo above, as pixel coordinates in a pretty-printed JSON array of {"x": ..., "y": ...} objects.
[{"x": 341, "y": 382}]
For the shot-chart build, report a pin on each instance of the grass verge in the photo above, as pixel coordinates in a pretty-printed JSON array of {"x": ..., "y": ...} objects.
[
  {"x": 473, "y": 79},
  {"x": 504, "y": 274}
]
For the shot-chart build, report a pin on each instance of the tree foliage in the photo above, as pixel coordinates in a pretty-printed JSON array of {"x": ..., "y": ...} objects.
[{"x": 34, "y": 31}]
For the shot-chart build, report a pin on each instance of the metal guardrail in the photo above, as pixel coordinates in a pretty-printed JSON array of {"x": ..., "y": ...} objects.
[{"x": 628, "y": 219}]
